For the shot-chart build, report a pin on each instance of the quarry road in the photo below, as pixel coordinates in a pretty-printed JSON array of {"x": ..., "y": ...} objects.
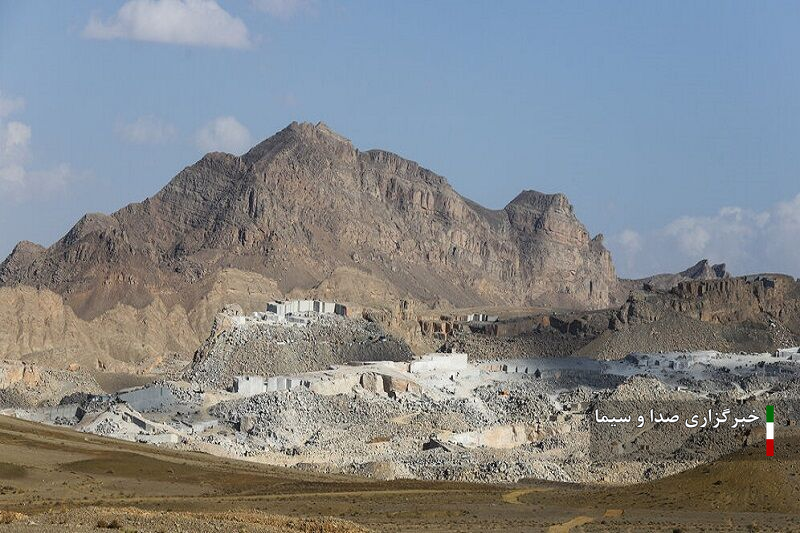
[
  {"x": 283, "y": 496},
  {"x": 515, "y": 495},
  {"x": 567, "y": 526}
]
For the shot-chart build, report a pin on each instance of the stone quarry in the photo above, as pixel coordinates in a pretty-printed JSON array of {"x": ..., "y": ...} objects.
[
  {"x": 443, "y": 415},
  {"x": 494, "y": 396},
  {"x": 270, "y": 344}
]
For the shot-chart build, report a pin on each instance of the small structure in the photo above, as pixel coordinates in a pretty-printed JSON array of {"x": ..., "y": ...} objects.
[
  {"x": 248, "y": 385},
  {"x": 481, "y": 317},
  {"x": 789, "y": 353},
  {"x": 70, "y": 411},
  {"x": 283, "y": 309},
  {"x": 439, "y": 362},
  {"x": 279, "y": 383},
  {"x": 682, "y": 362}
]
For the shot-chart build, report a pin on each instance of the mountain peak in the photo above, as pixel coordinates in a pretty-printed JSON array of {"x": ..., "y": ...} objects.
[
  {"x": 304, "y": 203},
  {"x": 24, "y": 253},
  {"x": 703, "y": 269},
  {"x": 539, "y": 200},
  {"x": 317, "y": 136}
]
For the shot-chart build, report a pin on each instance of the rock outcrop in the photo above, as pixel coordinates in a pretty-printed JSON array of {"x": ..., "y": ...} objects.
[
  {"x": 759, "y": 313},
  {"x": 702, "y": 270},
  {"x": 759, "y": 299}
]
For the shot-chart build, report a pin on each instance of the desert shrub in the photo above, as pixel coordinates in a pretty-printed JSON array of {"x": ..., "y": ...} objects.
[{"x": 114, "y": 524}]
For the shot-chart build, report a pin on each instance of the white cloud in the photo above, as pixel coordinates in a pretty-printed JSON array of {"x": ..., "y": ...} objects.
[
  {"x": 784, "y": 236},
  {"x": 10, "y": 105},
  {"x": 224, "y": 134},
  {"x": 187, "y": 22},
  {"x": 284, "y": 9},
  {"x": 748, "y": 241},
  {"x": 15, "y": 140},
  {"x": 631, "y": 242},
  {"x": 690, "y": 234},
  {"x": 728, "y": 236},
  {"x": 146, "y": 130},
  {"x": 16, "y": 180}
]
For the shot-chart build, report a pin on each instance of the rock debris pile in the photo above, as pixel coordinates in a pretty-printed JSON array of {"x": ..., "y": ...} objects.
[{"x": 270, "y": 349}]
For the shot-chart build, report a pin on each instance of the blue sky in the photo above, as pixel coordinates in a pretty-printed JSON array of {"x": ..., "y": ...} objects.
[{"x": 671, "y": 126}]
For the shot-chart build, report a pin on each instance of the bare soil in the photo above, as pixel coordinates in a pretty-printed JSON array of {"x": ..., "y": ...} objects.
[{"x": 56, "y": 480}]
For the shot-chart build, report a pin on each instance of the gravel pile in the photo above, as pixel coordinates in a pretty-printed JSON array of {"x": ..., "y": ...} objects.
[
  {"x": 379, "y": 436},
  {"x": 541, "y": 342},
  {"x": 52, "y": 385},
  {"x": 272, "y": 349},
  {"x": 374, "y": 435}
]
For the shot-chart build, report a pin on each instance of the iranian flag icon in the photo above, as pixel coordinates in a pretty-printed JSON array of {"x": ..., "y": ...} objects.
[{"x": 770, "y": 431}]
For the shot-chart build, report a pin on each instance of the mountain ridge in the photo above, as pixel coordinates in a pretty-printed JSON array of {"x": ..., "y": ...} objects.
[
  {"x": 221, "y": 202},
  {"x": 304, "y": 205}
]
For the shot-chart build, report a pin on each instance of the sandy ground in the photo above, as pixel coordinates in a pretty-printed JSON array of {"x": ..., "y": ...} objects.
[{"x": 56, "y": 480}]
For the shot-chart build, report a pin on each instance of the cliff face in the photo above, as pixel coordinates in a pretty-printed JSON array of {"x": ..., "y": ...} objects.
[
  {"x": 304, "y": 206},
  {"x": 743, "y": 299},
  {"x": 769, "y": 302}
]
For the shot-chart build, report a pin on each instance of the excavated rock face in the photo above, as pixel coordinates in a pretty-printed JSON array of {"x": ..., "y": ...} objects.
[
  {"x": 753, "y": 298},
  {"x": 305, "y": 202},
  {"x": 767, "y": 300}
]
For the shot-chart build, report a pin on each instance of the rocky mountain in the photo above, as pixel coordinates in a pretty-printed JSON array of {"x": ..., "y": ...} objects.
[
  {"x": 705, "y": 270},
  {"x": 303, "y": 212},
  {"x": 702, "y": 270}
]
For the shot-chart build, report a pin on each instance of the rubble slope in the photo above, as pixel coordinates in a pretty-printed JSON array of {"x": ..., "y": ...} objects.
[{"x": 275, "y": 349}]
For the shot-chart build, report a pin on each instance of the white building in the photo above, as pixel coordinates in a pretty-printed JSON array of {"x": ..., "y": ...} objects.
[
  {"x": 481, "y": 317},
  {"x": 249, "y": 385},
  {"x": 286, "y": 308}
]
